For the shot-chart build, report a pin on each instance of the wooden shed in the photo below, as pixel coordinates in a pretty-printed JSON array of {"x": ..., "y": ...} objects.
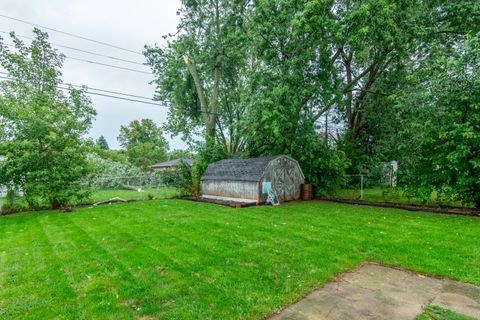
[{"x": 241, "y": 179}]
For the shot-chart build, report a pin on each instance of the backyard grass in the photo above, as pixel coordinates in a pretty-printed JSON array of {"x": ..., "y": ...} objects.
[
  {"x": 432, "y": 312},
  {"x": 394, "y": 195},
  {"x": 107, "y": 194},
  {"x": 158, "y": 193},
  {"x": 175, "y": 259}
]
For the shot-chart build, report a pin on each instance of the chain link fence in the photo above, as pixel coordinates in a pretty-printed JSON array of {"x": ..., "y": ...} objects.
[
  {"x": 103, "y": 189},
  {"x": 369, "y": 187},
  {"x": 126, "y": 182},
  {"x": 379, "y": 184},
  {"x": 153, "y": 186}
]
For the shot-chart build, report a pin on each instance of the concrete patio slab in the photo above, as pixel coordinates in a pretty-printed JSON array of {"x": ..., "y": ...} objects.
[{"x": 379, "y": 292}]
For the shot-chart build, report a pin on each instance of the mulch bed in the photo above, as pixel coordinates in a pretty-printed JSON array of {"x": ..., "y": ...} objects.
[{"x": 409, "y": 207}]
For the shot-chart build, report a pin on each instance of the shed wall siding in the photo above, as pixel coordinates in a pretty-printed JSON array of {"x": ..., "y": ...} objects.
[
  {"x": 233, "y": 189},
  {"x": 286, "y": 177}
]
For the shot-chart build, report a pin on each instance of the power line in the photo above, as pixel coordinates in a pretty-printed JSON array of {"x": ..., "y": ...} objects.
[
  {"x": 91, "y": 88},
  {"x": 109, "y": 96},
  {"x": 107, "y": 65},
  {"x": 81, "y": 50},
  {"x": 102, "y": 94},
  {"x": 108, "y": 91},
  {"x": 98, "y": 63},
  {"x": 71, "y": 34},
  {"x": 122, "y": 98}
]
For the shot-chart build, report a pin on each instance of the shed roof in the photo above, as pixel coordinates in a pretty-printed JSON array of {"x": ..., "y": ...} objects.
[
  {"x": 251, "y": 169},
  {"x": 172, "y": 163}
]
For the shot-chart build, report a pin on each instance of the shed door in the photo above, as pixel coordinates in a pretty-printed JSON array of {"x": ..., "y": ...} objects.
[
  {"x": 289, "y": 171},
  {"x": 283, "y": 179}
]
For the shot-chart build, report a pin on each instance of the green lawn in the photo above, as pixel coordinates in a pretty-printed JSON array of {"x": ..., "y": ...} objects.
[
  {"x": 176, "y": 259},
  {"x": 159, "y": 193},
  {"x": 107, "y": 194},
  {"x": 432, "y": 312},
  {"x": 394, "y": 196}
]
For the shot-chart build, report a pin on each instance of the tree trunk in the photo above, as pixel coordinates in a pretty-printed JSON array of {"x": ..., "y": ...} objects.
[
  {"x": 55, "y": 203},
  {"x": 206, "y": 114}
]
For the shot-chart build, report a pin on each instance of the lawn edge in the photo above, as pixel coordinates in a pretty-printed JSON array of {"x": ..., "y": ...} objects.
[
  {"x": 410, "y": 207},
  {"x": 342, "y": 274}
]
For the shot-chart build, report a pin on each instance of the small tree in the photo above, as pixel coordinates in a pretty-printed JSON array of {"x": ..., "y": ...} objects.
[
  {"x": 144, "y": 143},
  {"x": 188, "y": 177},
  {"x": 102, "y": 143},
  {"x": 41, "y": 126}
]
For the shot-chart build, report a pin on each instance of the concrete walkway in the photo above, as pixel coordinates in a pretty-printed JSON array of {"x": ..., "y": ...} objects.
[{"x": 377, "y": 292}]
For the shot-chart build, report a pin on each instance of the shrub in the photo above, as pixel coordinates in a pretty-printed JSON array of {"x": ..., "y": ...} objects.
[{"x": 188, "y": 177}]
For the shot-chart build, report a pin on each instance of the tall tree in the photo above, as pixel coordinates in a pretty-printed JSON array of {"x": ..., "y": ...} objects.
[
  {"x": 144, "y": 142},
  {"x": 343, "y": 57},
  {"x": 199, "y": 74},
  {"x": 41, "y": 126}
]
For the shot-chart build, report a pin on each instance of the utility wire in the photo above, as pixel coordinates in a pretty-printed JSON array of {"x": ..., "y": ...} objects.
[
  {"x": 71, "y": 34},
  {"x": 81, "y": 50},
  {"x": 122, "y": 98},
  {"x": 95, "y": 89},
  {"x": 108, "y": 91},
  {"x": 108, "y": 65},
  {"x": 98, "y": 63},
  {"x": 106, "y": 95}
]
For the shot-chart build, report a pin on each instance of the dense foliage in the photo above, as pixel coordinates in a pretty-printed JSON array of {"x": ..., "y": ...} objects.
[
  {"x": 108, "y": 174},
  {"x": 188, "y": 177},
  {"x": 318, "y": 80},
  {"x": 339, "y": 85},
  {"x": 143, "y": 142},
  {"x": 41, "y": 126},
  {"x": 442, "y": 121},
  {"x": 200, "y": 74}
]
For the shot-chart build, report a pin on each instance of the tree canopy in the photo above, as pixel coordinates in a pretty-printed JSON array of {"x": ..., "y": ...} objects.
[
  {"x": 330, "y": 83},
  {"x": 41, "y": 125},
  {"x": 144, "y": 143}
]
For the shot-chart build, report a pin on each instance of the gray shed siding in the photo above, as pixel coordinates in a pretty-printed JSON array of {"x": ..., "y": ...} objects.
[
  {"x": 286, "y": 177},
  {"x": 231, "y": 189},
  {"x": 242, "y": 178}
]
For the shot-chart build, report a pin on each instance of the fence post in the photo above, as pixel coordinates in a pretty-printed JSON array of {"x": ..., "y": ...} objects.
[
  {"x": 1, "y": 197},
  {"x": 361, "y": 187}
]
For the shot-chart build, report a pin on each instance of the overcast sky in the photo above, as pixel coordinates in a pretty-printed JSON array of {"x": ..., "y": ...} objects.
[{"x": 129, "y": 24}]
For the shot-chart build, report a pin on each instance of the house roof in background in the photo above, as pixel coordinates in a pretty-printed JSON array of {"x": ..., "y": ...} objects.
[
  {"x": 251, "y": 169},
  {"x": 172, "y": 163}
]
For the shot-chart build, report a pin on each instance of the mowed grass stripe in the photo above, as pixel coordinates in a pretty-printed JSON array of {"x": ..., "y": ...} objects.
[
  {"x": 182, "y": 260},
  {"x": 89, "y": 271},
  {"x": 346, "y": 224},
  {"x": 113, "y": 275},
  {"x": 34, "y": 275},
  {"x": 190, "y": 258},
  {"x": 178, "y": 226},
  {"x": 146, "y": 264}
]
